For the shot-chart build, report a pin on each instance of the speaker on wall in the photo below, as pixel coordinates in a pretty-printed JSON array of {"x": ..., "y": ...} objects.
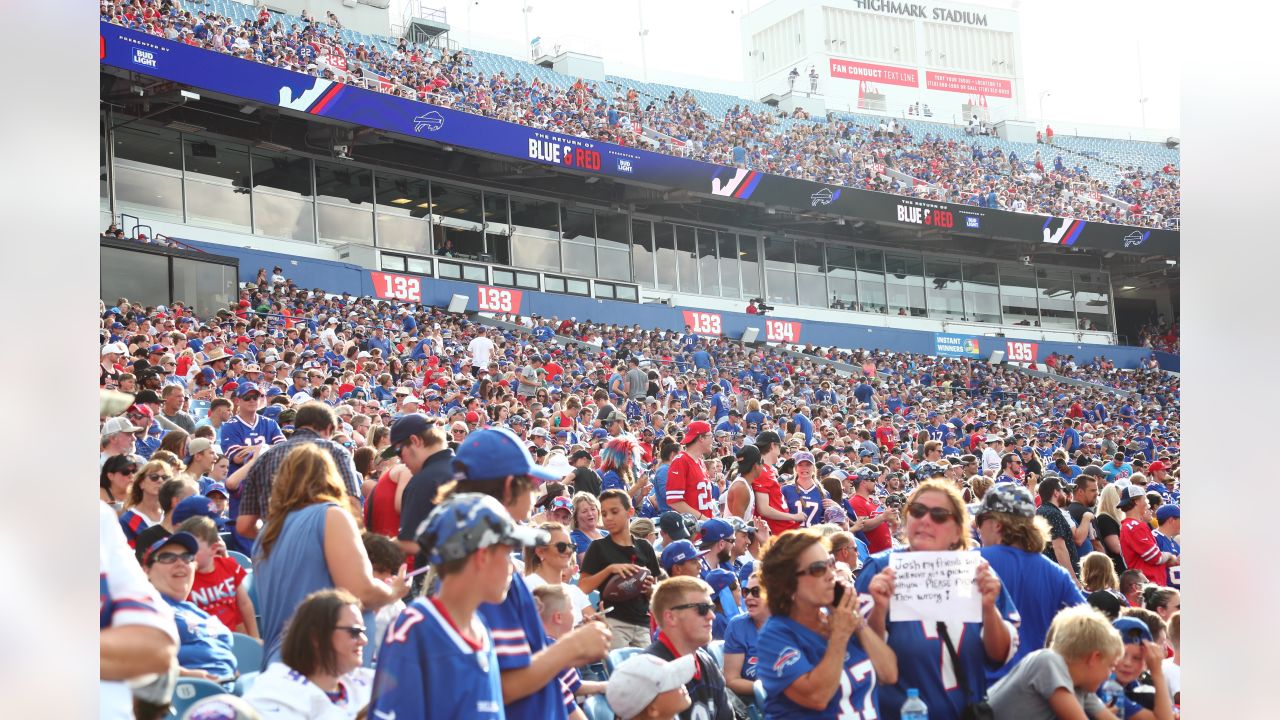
[
  {"x": 750, "y": 334},
  {"x": 458, "y": 304},
  {"x": 997, "y": 357}
]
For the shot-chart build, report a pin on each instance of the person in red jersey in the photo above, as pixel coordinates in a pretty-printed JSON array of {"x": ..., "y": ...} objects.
[
  {"x": 770, "y": 504},
  {"x": 1137, "y": 543},
  {"x": 874, "y": 515},
  {"x": 688, "y": 489}
]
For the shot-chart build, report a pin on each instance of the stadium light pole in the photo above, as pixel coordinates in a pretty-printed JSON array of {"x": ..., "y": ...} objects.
[
  {"x": 1043, "y": 95},
  {"x": 644, "y": 33},
  {"x": 525, "y": 10}
]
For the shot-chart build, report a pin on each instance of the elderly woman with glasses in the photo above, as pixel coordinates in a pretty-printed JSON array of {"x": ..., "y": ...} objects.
[
  {"x": 820, "y": 657},
  {"x": 142, "y": 506},
  {"x": 320, "y": 673},
  {"x": 936, "y": 520}
]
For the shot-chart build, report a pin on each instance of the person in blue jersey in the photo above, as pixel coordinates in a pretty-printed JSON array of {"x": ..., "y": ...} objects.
[
  {"x": 804, "y": 495},
  {"x": 936, "y": 521},
  {"x": 818, "y": 656},
  {"x": 439, "y": 659},
  {"x": 1013, "y": 540},
  {"x": 245, "y": 430},
  {"x": 495, "y": 462},
  {"x": 1170, "y": 519},
  {"x": 804, "y": 424},
  {"x": 741, "y": 653}
]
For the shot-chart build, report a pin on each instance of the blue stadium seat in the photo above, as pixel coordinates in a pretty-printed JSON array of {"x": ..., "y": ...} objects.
[
  {"x": 251, "y": 588},
  {"x": 188, "y": 690},
  {"x": 716, "y": 648},
  {"x": 248, "y": 651},
  {"x": 597, "y": 708},
  {"x": 241, "y": 558},
  {"x": 596, "y": 671},
  {"x": 616, "y": 656}
]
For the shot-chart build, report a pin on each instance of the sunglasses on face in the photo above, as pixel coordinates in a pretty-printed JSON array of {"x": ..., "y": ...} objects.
[
  {"x": 159, "y": 476},
  {"x": 169, "y": 558},
  {"x": 355, "y": 631},
  {"x": 564, "y": 548},
  {"x": 819, "y": 569},
  {"x": 751, "y": 592},
  {"x": 936, "y": 514},
  {"x": 703, "y": 609}
]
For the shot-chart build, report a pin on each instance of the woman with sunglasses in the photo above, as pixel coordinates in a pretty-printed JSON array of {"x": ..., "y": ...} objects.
[
  {"x": 547, "y": 565},
  {"x": 741, "y": 656},
  {"x": 320, "y": 674},
  {"x": 113, "y": 481},
  {"x": 937, "y": 520},
  {"x": 820, "y": 657},
  {"x": 142, "y": 507}
]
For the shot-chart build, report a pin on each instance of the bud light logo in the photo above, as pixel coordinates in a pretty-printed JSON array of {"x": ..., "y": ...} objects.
[
  {"x": 145, "y": 58},
  {"x": 972, "y": 222},
  {"x": 625, "y": 166}
]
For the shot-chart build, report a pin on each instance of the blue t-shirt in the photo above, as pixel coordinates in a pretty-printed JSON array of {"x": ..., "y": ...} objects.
[
  {"x": 660, "y": 488},
  {"x": 923, "y": 661},
  {"x": 806, "y": 427},
  {"x": 427, "y": 669},
  {"x": 206, "y": 643},
  {"x": 740, "y": 638},
  {"x": 610, "y": 480},
  {"x": 1039, "y": 587},
  {"x": 789, "y": 650},
  {"x": 518, "y": 635}
]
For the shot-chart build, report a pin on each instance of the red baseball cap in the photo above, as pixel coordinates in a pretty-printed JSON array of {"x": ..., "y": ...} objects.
[
  {"x": 1157, "y": 466},
  {"x": 695, "y": 430},
  {"x": 473, "y": 416}
]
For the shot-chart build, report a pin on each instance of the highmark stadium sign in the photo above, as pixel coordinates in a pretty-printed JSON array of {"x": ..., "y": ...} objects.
[
  {"x": 130, "y": 51},
  {"x": 923, "y": 11}
]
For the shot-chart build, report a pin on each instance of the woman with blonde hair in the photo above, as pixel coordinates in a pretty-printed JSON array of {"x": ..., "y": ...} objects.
[
  {"x": 1013, "y": 541},
  {"x": 980, "y": 484},
  {"x": 938, "y": 521},
  {"x": 310, "y": 542},
  {"x": 1098, "y": 573},
  {"x": 142, "y": 505},
  {"x": 586, "y": 519},
  {"x": 547, "y": 565},
  {"x": 1108, "y": 525}
]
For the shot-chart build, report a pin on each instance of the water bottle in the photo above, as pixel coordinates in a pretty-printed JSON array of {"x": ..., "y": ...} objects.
[
  {"x": 1113, "y": 692},
  {"x": 914, "y": 708}
]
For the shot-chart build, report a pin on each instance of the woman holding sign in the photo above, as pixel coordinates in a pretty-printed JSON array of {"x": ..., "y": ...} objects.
[
  {"x": 818, "y": 657},
  {"x": 947, "y": 662}
]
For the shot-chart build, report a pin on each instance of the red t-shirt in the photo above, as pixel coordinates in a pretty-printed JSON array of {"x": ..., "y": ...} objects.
[
  {"x": 383, "y": 516},
  {"x": 1138, "y": 546},
  {"x": 878, "y": 538},
  {"x": 687, "y": 481},
  {"x": 215, "y": 591},
  {"x": 767, "y": 483}
]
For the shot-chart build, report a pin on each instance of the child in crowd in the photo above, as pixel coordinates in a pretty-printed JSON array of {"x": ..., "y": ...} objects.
[
  {"x": 646, "y": 686},
  {"x": 386, "y": 556},
  {"x": 556, "y": 610},
  {"x": 1173, "y": 665},
  {"x": 219, "y": 588}
]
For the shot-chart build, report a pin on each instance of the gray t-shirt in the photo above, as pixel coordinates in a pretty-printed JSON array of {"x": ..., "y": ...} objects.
[
  {"x": 1024, "y": 693},
  {"x": 638, "y": 382}
]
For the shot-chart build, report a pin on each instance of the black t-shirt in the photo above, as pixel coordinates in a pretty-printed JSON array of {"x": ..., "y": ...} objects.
[
  {"x": 586, "y": 480},
  {"x": 1059, "y": 528},
  {"x": 708, "y": 690},
  {"x": 604, "y": 552},
  {"x": 419, "y": 497},
  {"x": 1107, "y": 526}
]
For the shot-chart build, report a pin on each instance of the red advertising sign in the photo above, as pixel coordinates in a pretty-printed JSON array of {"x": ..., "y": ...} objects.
[
  {"x": 1020, "y": 351},
  {"x": 968, "y": 84},
  {"x": 784, "y": 331},
  {"x": 884, "y": 74},
  {"x": 405, "y": 288},
  {"x": 499, "y": 300},
  {"x": 702, "y": 323}
]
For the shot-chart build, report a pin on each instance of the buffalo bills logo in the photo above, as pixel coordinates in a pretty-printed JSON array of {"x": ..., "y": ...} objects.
[
  {"x": 430, "y": 120},
  {"x": 789, "y": 656},
  {"x": 1136, "y": 238}
]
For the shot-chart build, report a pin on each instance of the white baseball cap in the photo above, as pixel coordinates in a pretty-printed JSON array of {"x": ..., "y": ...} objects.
[
  {"x": 641, "y": 678},
  {"x": 118, "y": 425}
]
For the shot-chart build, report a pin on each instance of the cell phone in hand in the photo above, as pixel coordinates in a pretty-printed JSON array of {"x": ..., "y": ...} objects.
[{"x": 840, "y": 590}]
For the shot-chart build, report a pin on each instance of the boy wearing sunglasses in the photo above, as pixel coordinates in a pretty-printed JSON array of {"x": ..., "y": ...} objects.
[{"x": 683, "y": 611}]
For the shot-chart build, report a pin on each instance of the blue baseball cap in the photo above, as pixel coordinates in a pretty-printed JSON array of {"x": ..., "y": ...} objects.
[
  {"x": 599, "y": 433},
  {"x": 744, "y": 573},
  {"x": 719, "y": 579},
  {"x": 494, "y": 453},
  {"x": 245, "y": 388},
  {"x": 1166, "y": 512},
  {"x": 714, "y": 530},
  {"x": 1132, "y": 630},
  {"x": 196, "y": 505},
  {"x": 217, "y": 487},
  {"x": 185, "y": 539},
  {"x": 468, "y": 522},
  {"x": 678, "y": 552}
]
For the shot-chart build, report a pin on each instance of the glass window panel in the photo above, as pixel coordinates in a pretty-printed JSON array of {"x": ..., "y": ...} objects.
[
  {"x": 282, "y": 174},
  {"x": 475, "y": 273},
  {"x": 809, "y": 256},
  {"x": 458, "y": 203},
  {"x": 982, "y": 292},
  {"x": 498, "y": 248},
  {"x": 203, "y": 286},
  {"x": 944, "y": 293},
  {"x": 665, "y": 240},
  {"x": 219, "y": 162},
  {"x": 504, "y": 277},
  {"x": 104, "y": 182},
  {"x": 402, "y": 196},
  {"x": 141, "y": 277},
  {"x": 449, "y": 270},
  {"x": 1057, "y": 306},
  {"x": 749, "y": 261},
  {"x": 148, "y": 194},
  {"x": 419, "y": 266},
  {"x": 841, "y": 277},
  {"x": 613, "y": 264},
  {"x": 871, "y": 286},
  {"x": 154, "y": 147},
  {"x": 605, "y": 290},
  {"x": 611, "y": 230},
  {"x": 401, "y": 232},
  {"x": 1093, "y": 301},
  {"x": 345, "y": 224},
  {"x": 628, "y": 293},
  {"x": 344, "y": 185},
  {"x": 283, "y": 217},
  {"x": 687, "y": 259},
  {"x": 539, "y": 218},
  {"x": 1018, "y": 296},
  {"x": 527, "y": 280},
  {"x": 577, "y": 225},
  {"x": 781, "y": 285},
  {"x": 218, "y": 206},
  {"x": 904, "y": 279},
  {"x": 394, "y": 263},
  {"x": 728, "y": 243},
  {"x": 812, "y": 290},
  {"x": 578, "y": 287},
  {"x": 457, "y": 238},
  {"x": 496, "y": 213},
  {"x": 779, "y": 254},
  {"x": 579, "y": 258},
  {"x": 554, "y": 284},
  {"x": 539, "y": 253},
  {"x": 708, "y": 266},
  {"x": 642, "y": 252}
]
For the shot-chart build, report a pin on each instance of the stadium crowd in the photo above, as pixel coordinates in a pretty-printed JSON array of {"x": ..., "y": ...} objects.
[
  {"x": 326, "y": 506},
  {"x": 831, "y": 150}
]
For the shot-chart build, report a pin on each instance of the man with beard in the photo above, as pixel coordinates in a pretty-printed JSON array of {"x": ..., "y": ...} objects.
[{"x": 716, "y": 539}]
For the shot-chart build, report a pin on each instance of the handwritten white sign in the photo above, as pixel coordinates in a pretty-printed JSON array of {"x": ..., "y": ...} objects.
[{"x": 933, "y": 586}]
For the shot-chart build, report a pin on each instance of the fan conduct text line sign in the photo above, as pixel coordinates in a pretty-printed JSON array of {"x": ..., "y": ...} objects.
[{"x": 933, "y": 586}]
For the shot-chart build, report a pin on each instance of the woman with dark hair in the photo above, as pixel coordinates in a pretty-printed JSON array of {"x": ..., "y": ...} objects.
[
  {"x": 113, "y": 481},
  {"x": 823, "y": 659},
  {"x": 320, "y": 674},
  {"x": 310, "y": 542},
  {"x": 936, "y": 520}
]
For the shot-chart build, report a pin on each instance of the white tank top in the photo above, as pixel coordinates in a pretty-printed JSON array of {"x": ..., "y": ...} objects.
[{"x": 750, "y": 513}]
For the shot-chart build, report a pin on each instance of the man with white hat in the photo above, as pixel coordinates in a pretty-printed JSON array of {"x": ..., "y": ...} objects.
[
  {"x": 991, "y": 455},
  {"x": 117, "y": 438},
  {"x": 649, "y": 687}
]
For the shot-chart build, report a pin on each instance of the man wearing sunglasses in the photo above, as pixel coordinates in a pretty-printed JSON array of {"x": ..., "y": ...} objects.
[{"x": 684, "y": 613}]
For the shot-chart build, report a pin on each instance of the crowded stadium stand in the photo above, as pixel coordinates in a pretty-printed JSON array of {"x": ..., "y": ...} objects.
[{"x": 436, "y": 383}]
